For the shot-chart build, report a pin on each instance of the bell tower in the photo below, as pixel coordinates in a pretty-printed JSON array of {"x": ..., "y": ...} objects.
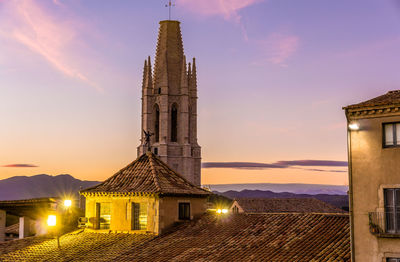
[{"x": 169, "y": 105}]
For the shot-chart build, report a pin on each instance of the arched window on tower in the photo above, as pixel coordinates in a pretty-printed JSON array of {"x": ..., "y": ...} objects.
[
  {"x": 174, "y": 123},
  {"x": 157, "y": 124}
]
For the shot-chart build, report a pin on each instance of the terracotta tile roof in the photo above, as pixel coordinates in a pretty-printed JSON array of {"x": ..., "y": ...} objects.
[
  {"x": 28, "y": 202},
  {"x": 77, "y": 246},
  {"x": 147, "y": 174},
  {"x": 286, "y": 205},
  {"x": 390, "y": 98},
  {"x": 237, "y": 237}
]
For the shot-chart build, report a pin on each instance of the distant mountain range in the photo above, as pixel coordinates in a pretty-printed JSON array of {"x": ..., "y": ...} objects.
[
  {"x": 340, "y": 201},
  {"x": 311, "y": 189},
  {"x": 24, "y": 187}
]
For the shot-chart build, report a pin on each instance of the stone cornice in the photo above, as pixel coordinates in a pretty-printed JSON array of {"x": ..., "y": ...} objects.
[
  {"x": 373, "y": 111},
  {"x": 117, "y": 194}
]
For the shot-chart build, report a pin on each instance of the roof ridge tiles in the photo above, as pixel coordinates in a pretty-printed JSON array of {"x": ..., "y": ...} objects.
[{"x": 152, "y": 169}]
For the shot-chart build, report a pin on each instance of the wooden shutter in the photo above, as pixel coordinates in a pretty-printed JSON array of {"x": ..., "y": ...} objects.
[
  {"x": 389, "y": 209},
  {"x": 135, "y": 216},
  {"x": 97, "y": 221}
]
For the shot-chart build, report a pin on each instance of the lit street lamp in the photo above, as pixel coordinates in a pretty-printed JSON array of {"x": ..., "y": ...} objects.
[
  {"x": 52, "y": 222},
  {"x": 67, "y": 203}
]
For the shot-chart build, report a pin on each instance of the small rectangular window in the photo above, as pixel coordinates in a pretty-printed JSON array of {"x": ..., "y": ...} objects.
[
  {"x": 156, "y": 151},
  {"x": 392, "y": 209},
  {"x": 184, "y": 211},
  {"x": 391, "y": 134},
  {"x": 392, "y": 259}
]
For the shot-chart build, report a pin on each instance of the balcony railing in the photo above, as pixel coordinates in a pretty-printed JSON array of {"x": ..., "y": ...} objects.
[{"x": 384, "y": 224}]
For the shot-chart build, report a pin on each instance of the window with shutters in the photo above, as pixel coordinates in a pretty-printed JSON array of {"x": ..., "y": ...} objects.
[
  {"x": 139, "y": 216},
  {"x": 392, "y": 209},
  {"x": 391, "y": 134}
]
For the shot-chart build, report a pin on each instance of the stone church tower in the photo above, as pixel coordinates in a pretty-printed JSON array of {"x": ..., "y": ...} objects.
[{"x": 169, "y": 105}]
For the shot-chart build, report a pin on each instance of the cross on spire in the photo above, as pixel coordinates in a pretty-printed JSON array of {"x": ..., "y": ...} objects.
[{"x": 169, "y": 5}]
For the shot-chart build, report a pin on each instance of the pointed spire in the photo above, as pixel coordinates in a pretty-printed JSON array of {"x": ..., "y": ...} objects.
[
  {"x": 144, "y": 74},
  {"x": 193, "y": 76},
  {"x": 184, "y": 78},
  {"x": 189, "y": 71},
  {"x": 194, "y": 73},
  {"x": 149, "y": 74},
  {"x": 147, "y": 83},
  {"x": 169, "y": 56}
]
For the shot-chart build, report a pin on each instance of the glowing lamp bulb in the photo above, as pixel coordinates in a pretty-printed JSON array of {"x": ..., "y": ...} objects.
[
  {"x": 51, "y": 220},
  {"x": 67, "y": 202},
  {"x": 219, "y": 211},
  {"x": 354, "y": 126},
  {"x": 224, "y": 211}
]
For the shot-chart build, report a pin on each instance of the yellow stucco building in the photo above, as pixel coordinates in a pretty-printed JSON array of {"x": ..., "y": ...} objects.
[
  {"x": 374, "y": 178},
  {"x": 146, "y": 196}
]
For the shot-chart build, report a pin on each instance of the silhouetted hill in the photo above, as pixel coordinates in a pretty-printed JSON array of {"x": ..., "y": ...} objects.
[
  {"x": 297, "y": 188},
  {"x": 340, "y": 201},
  {"x": 24, "y": 187}
]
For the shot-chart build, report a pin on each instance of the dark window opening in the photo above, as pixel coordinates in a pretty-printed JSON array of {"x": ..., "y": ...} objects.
[
  {"x": 392, "y": 259},
  {"x": 392, "y": 209},
  {"x": 157, "y": 125},
  {"x": 174, "y": 124},
  {"x": 184, "y": 211},
  {"x": 391, "y": 134},
  {"x": 159, "y": 90},
  {"x": 156, "y": 151}
]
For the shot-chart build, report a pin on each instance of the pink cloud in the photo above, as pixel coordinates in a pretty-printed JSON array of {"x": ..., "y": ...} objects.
[
  {"x": 20, "y": 165},
  {"x": 51, "y": 37},
  {"x": 279, "y": 47},
  {"x": 229, "y": 9}
]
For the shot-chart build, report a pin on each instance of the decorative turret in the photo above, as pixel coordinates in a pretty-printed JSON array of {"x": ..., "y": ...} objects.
[
  {"x": 184, "y": 78},
  {"x": 147, "y": 84}
]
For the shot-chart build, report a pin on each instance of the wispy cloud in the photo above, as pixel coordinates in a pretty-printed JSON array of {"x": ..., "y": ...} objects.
[
  {"x": 228, "y": 9},
  {"x": 20, "y": 165},
  {"x": 312, "y": 163},
  {"x": 241, "y": 165},
  {"x": 51, "y": 37},
  {"x": 296, "y": 164},
  {"x": 278, "y": 47}
]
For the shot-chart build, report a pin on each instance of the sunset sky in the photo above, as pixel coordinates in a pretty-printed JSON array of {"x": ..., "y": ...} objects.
[{"x": 273, "y": 76}]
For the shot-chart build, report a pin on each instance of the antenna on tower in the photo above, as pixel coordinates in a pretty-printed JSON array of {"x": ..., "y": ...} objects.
[{"x": 169, "y": 5}]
